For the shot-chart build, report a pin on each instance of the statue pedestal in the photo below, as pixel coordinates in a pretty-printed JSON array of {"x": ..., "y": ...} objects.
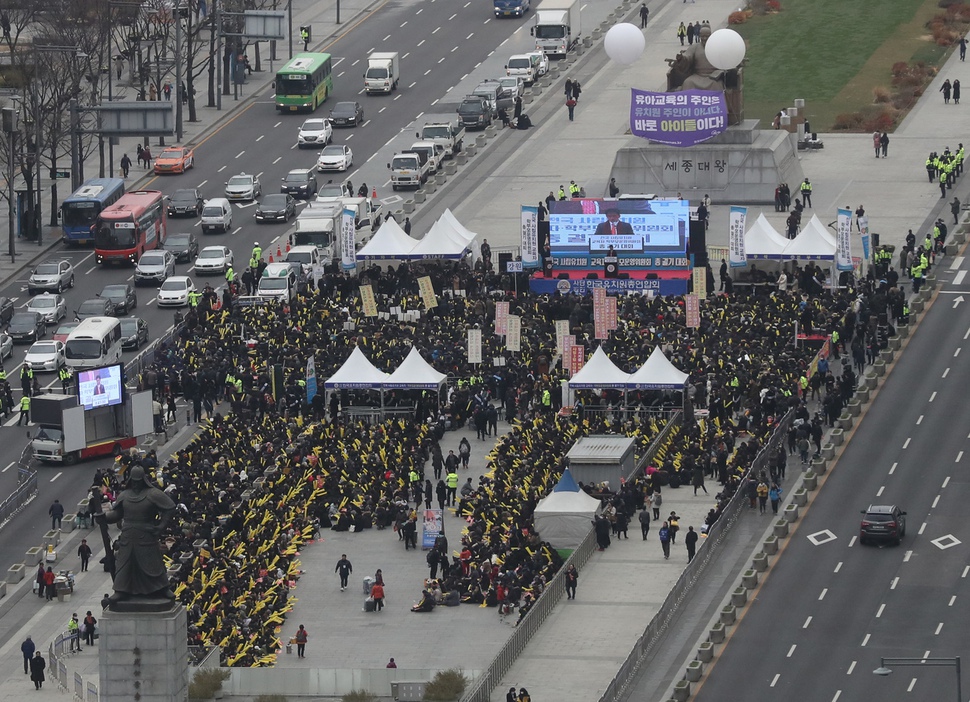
[
  {"x": 144, "y": 656},
  {"x": 740, "y": 166}
]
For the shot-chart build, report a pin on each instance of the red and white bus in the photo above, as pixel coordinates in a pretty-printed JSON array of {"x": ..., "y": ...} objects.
[{"x": 136, "y": 223}]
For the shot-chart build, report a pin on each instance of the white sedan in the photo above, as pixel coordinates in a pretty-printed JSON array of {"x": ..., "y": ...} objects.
[
  {"x": 336, "y": 157},
  {"x": 51, "y": 307},
  {"x": 174, "y": 292},
  {"x": 45, "y": 356},
  {"x": 213, "y": 259},
  {"x": 315, "y": 132}
]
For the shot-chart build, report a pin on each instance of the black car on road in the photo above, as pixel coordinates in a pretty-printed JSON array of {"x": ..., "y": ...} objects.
[
  {"x": 134, "y": 332},
  {"x": 122, "y": 296},
  {"x": 276, "y": 207},
  {"x": 186, "y": 202},
  {"x": 346, "y": 114},
  {"x": 26, "y": 327},
  {"x": 882, "y": 523},
  {"x": 184, "y": 245}
]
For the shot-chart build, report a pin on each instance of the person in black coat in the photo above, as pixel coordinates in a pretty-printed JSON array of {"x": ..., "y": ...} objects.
[
  {"x": 37, "y": 666},
  {"x": 602, "y": 525}
]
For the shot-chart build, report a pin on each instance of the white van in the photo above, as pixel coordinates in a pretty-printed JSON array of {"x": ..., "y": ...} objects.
[
  {"x": 93, "y": 343},
  {"x": 216, "y": 215},
  {"x": 278, "y": 281},
  {"x": 306, "y": 255}
]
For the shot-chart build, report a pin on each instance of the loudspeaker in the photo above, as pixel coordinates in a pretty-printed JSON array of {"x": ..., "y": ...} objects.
[
  {"x": 504, "y": 257},
  {"x": 698, "y": 242}
]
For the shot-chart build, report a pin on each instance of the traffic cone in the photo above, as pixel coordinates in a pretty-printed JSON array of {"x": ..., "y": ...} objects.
[
  {"x": 373, "y": 193},
  {"x": 279, "y": 252},
  {"x": 287, "y": 247},
  {"x": 271, "y": 258}
]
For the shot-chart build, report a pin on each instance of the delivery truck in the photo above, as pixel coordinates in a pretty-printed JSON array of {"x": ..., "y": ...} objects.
[
  {"x": 383, "y": 72},
  {"x": 557, "y": 26},
  {"x": 448, "y": 132}
]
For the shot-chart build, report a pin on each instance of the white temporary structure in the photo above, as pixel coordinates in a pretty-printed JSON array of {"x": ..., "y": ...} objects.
[
  {"x": 415, "y": 373},
  {"x": 658, "y": 373},
  {"x": 442, "y": 241},
  {"x": 813, "y": 243},
  {"x": 762, "y": 241},
  {"x": 389, "y": 242},
  {"x": 600, "y": 372},
  {"x": 447, "y": 217},
  {"x": 564, "y": 516},
  {"x": 357, "y": 372}
]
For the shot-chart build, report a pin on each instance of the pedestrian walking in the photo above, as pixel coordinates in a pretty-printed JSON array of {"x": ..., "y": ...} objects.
[
  {"x": 884, "y": 144},
  {"x": 875, "y": 143},
  {"x": 568, "y": 88},
  {"x": 572, "y": 577},
  {"x": 656, "y": 501},
  {"x": 762, "y": 497},
  {"x": 664, "y": 535},
  {"x": 956, "y": 92},
  {"x": 682, "y": 32},
  {"x": 344, "y": 569},
  {"x": 74, "y": 630},
  {"x": 84, "y": 553},
  {"x": 577, "y": 90},
  {"x": 644, "y": 15},
  {"x": 49, "y": 587},
  {"x": 24, "y": 411},
  {"x": 37, "y": 666},
  {"x": 27, "y": 648},
  {"x": 644, "y": 523},
  {"x": 690, "y": 541},
  {"x": 673, "y": 526},
  {"x": 125, "y": 165},
  {"x": 39, "y": 579},
  {"x": 945, "y": 89},
  {"x": 774, "y": 494},
  {"x": 955, "y": 210},
  {"x": 301, "y": 639},
  {"x": 963, "y": 48},
  {"x": 167, "y": 90},
  {"x": 377, "y": 592},
  {"x": 56, "y": 512}
]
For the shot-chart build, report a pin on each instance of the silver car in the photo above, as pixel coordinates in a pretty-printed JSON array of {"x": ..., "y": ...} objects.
[
  {"x": 6, "y": 346},
  {"x": 45, "y": 356},
  {"x": 154, "y": 267},
  {"x": 213, "y": 259},
  {"x": 53, "y": 276},
  {"x": 243, "y": 187},
  {"x": 53, "y": 308}
]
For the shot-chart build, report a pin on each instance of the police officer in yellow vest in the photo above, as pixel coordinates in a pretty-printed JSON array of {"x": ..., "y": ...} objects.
[
  {"x": 305, "y": 38},
  {"x": 230, "y": 274},
  {"x": 562, "y": 193},
  {"x": 24, "y": 410},
  {"x": 451, "y": 482},
  {"x": 916, "y": 273},
  {"x": 26, "y": 379},
  {"x": 573, "y": 189},
  {"x": 64, "y": 373},
  {"x": 194, "y": 298},
  {"x": 806, "y": 189},
  {"x": 256, "y": 255}
]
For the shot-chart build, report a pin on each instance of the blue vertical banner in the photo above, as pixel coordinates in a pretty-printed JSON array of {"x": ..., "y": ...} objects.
[
  {"x": 843, "y": 248},
  {"x": 311, "y": 379},
  {"x": 431, "y": 524},
  {"x": 736, "y": 250}
]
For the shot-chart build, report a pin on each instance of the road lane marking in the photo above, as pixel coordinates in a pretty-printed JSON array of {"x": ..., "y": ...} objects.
[
  {"x": 421, "y": 42},
  {"x": 469, "y": 37},
  {"x": 912, "y": 684},
  {"x": 240, "y": 153},
  {"x": 403, "y": 23},
  {"x": 946, "y": 373},
  {"x": 892, "y": 585},
  {"x": 277, "y": 124},
  {"x": 791, "y": 650},
  {"x": 441, "y": 59},
  {"x": 11, "y": 465},
  {"x": 260, "y": 137},
  {"x": 278, "y": 159},
  {"x": 939, "y": 628},
  {"x": 237, "y": 230},
  {"x": 454, "y": 50},
  {"x": 933, "y": 396},
  {"x": 947, "y": 481},
  {"x": 838, "y": 567},
  {"x": 838, "y": 694},
  {"x": 387, "y": 37},
  {"x": 221, "y": 169},
  {"x": 852, "y": 541},
  {"x": 893, "y": 469},
  {"x": 807, "y": 622},
  {"x": 879, "y": 491},
  {"x": 358, "y": 60},
  {"x": 851, "y": 668},
  {"x": 436, "y": 31},
  {"x": 957, "y": 352},
  {"x": 398, "y": 96},
  {"x": 774, "y": 680},
  {"x": 882, "y": 608},
  {"x": 452, "y": 17},
  {"x": 866, "y": 639},
  {"x": 936, "y": 501},
  {"x": 907, "y": 556},
  {"x": 953, "y": 598},
  {"x": 966, "y": 569},
  {"x": 906, "y": 443},
  {"x": 413, "y": 84},
  {"x": 919, "y": 420},
  {"x": 202, "y": 183},
  {"x": 958, "y": 278},
  {"x": 151, "y": 301},
  {"x": 59, "y": 474},
  {"x": 382, "y": 109},
  {"x": 822, "y": 594},
  {"x": 922, "y": 528},
  {"x": 427, "y": 72},
  {"x": 90, "y": 270},
  {"x": 406, "y": 55},
  {"x": 957, "y": 263}
]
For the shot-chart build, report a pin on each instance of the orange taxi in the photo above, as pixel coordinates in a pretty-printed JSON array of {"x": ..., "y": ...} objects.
[{"x": 174, "y": 159}]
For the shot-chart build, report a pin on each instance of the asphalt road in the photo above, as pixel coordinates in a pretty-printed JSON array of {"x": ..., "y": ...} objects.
[
  {"x": 438, "y": 48},
  {"x": 831, "y": 607}
]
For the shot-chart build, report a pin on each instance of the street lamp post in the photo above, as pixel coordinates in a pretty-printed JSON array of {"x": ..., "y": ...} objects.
[
  {"x": 884, "y": 670},
  {"x": 11, "y": 127}
]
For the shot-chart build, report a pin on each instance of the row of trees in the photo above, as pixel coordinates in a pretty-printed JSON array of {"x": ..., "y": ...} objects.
[{"x": 102, "y": 47}]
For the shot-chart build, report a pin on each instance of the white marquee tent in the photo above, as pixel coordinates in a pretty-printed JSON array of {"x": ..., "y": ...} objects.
[
  {"x": 600, "y": 372},
  {"x": 442, "y": 241},
  {"x": 813, "y": 243},
  {"x": 762, "y": 241},
  {"x": 658, "y": 373},
  {"x": 357, "y": 372},
  {"x": 563, "y": 517},
  {"x": 415, "y": 373},
  {"x": 389, "y": 242}
]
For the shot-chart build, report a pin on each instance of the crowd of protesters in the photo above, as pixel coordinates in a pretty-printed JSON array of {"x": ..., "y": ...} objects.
[{"x": 268, "y": 471}]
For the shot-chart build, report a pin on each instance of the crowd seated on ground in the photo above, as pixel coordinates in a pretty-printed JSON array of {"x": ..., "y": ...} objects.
[{"x": 260, "y": 480}]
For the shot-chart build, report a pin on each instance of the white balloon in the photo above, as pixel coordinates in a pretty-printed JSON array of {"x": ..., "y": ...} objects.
[
  {"x": 725, "y": 49},
  {"x": 624, "y": 43}
]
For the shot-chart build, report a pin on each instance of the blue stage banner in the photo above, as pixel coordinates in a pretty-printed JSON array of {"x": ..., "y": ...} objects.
[
  {"x": 683, "y": 118},
  {"x": 583, "y": 286}
]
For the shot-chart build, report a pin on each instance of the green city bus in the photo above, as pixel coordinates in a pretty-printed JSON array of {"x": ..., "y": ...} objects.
[{"x": 304, "y": 82}]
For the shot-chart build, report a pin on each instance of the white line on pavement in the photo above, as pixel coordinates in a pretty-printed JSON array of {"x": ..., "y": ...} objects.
[
  {"x": 59, "y": 474},
  {"x": 11, "y": 465}
]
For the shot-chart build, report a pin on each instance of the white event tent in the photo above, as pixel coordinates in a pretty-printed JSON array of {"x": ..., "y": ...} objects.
[
  {"x": 762, "y": 241},
  {"x": 600, "y": 372},
  {"x": 415, "y": 373},
  {"x": 658, "y": 373},
  {"x": 357, "y": 373},
  {"x": 389, "y": 241}
]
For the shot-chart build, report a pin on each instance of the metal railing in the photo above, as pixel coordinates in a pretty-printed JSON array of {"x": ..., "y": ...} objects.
[
  {"x": 26, "y": 488},
  {"x": 707, "y": 553},
  {"x": 529, "y": 625}
]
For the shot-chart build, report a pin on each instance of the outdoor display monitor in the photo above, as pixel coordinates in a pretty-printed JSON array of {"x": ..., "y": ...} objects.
[{"x": 100, "y": 387}]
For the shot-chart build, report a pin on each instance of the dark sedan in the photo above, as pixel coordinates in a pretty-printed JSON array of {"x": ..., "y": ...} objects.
[
  {"x": 122, "y": 296},
  {"x": 276, "y": 207},
  {"x": 346, "y": 114},
  {"x": 95, "y": 307},
  {"x": 185, "y": 202},
  {"x": 134, "y": 332},
  {"x": 184, "y": 245},
  {"x": 26, "y": 327},
  {"x": 6, "y": 310}
]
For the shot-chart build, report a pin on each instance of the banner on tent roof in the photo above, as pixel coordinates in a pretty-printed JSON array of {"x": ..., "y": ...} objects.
[
  {"x": 736, "y": 239},
  {"x": 843, "y": 248}
]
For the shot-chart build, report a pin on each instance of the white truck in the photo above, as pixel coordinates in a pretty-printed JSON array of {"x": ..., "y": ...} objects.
[
  {"x": 319, "y": 225},
  {"x": 448, "y": 132},
  {"x": 383, "y": 72},
  {"x": 530, "y": 67},
  {"x": 557, "y": 26},
  {"x": 435, "y": 154},
  {"x": 409, "y": 169}
]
